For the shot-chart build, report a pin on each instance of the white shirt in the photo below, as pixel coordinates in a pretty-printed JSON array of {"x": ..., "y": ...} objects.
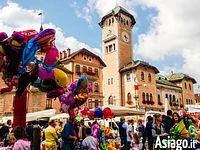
[{"x": 129, "y": 129}]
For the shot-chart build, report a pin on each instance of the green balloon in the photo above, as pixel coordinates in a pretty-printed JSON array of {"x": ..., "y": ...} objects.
[{"x": 79, "y": 117}]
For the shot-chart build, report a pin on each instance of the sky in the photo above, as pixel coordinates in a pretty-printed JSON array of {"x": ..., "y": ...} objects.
[{"x": 166, "y": 33}]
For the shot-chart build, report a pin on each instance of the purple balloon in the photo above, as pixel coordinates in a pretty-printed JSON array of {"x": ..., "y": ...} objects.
[
  {"x": 72, "y": 86},
  {"x": 3, "y": 36}
]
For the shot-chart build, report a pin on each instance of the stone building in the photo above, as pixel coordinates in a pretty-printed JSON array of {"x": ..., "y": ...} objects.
[{"x": 135, "y": 83}]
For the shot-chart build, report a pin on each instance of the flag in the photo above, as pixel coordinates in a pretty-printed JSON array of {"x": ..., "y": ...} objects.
[
  {"x": 136, "y": 87},
  {"x": 40, "y": 14}
]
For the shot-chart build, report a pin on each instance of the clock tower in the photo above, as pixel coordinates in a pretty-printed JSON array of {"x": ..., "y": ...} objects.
[{"x": 117, "y": 51}]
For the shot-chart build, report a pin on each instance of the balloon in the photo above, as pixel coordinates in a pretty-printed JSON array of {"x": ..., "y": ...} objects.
[
  {"x": 51, "y": 57},
  {"x": 67, "y": 98},
  {"x": 81, "y": 85},
  {"x": 25, "y": 79},
  {"x": 192, "y": 130},
  {"x": 29, "y": 54},
  {"x": 29, "y": 34},
  {"x": 39, "y": 84},
  {"x": 13, "y": 48},
  {"x": 180, "y": 131},
  {"x": 55, "y": 93},
  {"x": 72, "y": 86},
  {"x": 79, "y": 118},
  {"x": 107, "y": 113},
  {"x": 98, "y": 113},
  {"x": 65, "y": 108},
  {"x": 84, "y": 111},
  {"x": 3, "y": 36},
  {"x": 43, "y": 74},
  {"x": 91, "y": 115},
  {"x": 95, "y": 131},
  {"x": 60, "y": 78}
]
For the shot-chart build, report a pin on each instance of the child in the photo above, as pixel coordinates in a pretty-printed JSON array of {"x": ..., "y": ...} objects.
[{"x": 135, "y": 142}]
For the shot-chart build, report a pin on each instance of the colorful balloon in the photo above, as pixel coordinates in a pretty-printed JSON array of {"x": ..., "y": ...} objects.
[
  {"x": 43, "y": 74},
  {"x": 3, "y": 36},
  {"x": 98, "y": 113},
  {"x": 51, "y": 57},
  {"x": 81, "y": 85},
  {"x": 29, "y": 34},
  {"x": 55, "y": 93},
  {"x": 60, "y": 78}
]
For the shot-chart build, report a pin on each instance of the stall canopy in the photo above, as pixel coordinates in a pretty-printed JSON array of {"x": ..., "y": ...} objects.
[
  {"x": 193, "y": 108},
  {"x": 123, "y": 111},
  {"x": 60, "y": 116}
]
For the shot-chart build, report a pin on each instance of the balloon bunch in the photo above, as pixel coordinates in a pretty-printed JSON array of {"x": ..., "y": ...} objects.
[
  {"x": 75, "y": 95},
  {"x": 20, "y": 66}
]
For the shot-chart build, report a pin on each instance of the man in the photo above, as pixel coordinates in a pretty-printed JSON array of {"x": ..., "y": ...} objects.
[
  {"x": 51, "y": 136},
  {"x": 129, "y": 132},
  {"x": 68, "y": 135},
  {"x": 186, "y": 118},
  {"x": 122, "y": 132},
  {"x": 59, "y": 130},
  {"x": 89, "y": 143},
  {"x": 29, "y": 131},
  {"x": 9, "y": 126},
  {"x": 167, "y": 121},
  {"x": 148, "y": 132}
]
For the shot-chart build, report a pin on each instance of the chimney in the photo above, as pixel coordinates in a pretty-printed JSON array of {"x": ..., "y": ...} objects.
[
  {"x": 68, "y": 52},
  {"x": 65, "y": 54},
  {"x": 61, "y": 56}
]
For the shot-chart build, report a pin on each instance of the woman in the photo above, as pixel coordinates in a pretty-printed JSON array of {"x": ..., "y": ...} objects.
[
  {"x": 158, "y": 128},
  {"x": 21, "y": 137},
  {"x": 174, "y": 122}
]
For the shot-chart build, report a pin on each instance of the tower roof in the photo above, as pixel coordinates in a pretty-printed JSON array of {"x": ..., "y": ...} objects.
[
  {"x": 179, "y": 77},
  {"x": 115, "y": 12}
]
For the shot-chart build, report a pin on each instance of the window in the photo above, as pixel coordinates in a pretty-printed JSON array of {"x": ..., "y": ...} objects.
[
  {"x": 185, "y": 85},
  {"x": 49, "y": 103},
  {"x": 84, "y": 69},
  {"x": 142, "y": 75},
  {"x": 77, "y": 68},
  {"x": 109, "y": 22},
  {"x": 96, "y": 87},
  {"x": 174, "y": 98},
  {"x": 106, "y": 49},
  {"x": 90, "y": 103},
  {"x": 89, "y": 69},
  {"x": 191, "y": 101},
  {"x": 149, "y": 77},
  {"x": 96, "y": 72},
  {"x": 170, "y": 98},
  {"x": 90, "y": 59},
  {"x": 112, "y": 20},
  {"x": 110, "y": 100},
  {"x": 158, "y": 98},
  {"x": 151, "y": 97},
  {"x": 166, "y": 96},
  {"x": 187, "y": 101},
  {"x": 113, "y": 46},
  {"x": 128, "y": 76},
  {"x": 129, "y": 96},
  {"x": 190, "y": 87},
  {"x": 108, "y": 81},
  {"x": 127, "y": 22},
  {"x": 111, "y": 80},
  {"x": 143, "y": 96},
  {"x": 110, "y": 48},
  {"x": 96, "y": 103},
  {"x": 147, "y": 96},
  {"x": 84, "y": 58}
]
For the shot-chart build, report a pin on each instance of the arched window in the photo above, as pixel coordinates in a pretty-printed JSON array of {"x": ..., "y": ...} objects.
[
  {"x": 127, "y": 22},
  {"x": 143, "y": 96},
  {"x": 190, "y": 87},
  {"x": 151, "y": 97},
  {"x": 166, "y": 96},
  {"x": 174, "y": 98},
  {"x": 108, "y": 81},
  {"x": 185, "y": 85},
  {"x": 96, "y": 87},
  {"x": 110, "y": 100},
  {"x": 187, "y": 101},
  {"x": 158, "y": 98},
  {"x": 149, "y": 77},
  {"x": 170, "y": 98},
  {"x": 128, "y": 76},
  {"x": 106, "y": 49},
  {"x": 129, "y": 96},
  {"x": 142, "y": 75},
  {"x": 147, "y": 96}
]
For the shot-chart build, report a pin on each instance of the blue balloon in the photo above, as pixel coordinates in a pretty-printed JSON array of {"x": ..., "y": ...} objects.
[
  {"x": 28, "y": 54},
  {"x": 98, "y": 113},
  {"x": 81, "y": 85}
]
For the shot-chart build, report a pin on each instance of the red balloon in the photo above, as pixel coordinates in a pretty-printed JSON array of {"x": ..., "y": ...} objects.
[
  {"x": 91, "y": 115},
  {"x": 107, "y": 113},
  {"x": 29, "y": 34}
]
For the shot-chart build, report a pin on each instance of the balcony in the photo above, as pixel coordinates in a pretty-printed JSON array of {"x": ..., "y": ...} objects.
[{"x": 90, "y": 75}]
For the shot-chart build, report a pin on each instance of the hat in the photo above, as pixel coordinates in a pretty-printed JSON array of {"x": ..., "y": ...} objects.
[{"x": 122, "y": 118}]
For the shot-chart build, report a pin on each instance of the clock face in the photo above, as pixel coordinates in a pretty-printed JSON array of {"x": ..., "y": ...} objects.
[{"x": 125, "y": 36}]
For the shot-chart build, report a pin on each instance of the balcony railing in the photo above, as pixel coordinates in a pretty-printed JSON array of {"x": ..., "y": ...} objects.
[{"x": 90, "y": 75}]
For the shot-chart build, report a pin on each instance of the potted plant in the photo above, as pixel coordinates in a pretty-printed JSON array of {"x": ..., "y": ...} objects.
[
  {"x": 144, "y": 102},
  {"x": 152, "y": 102},
  {"x": 148, "y": 102},
  {"x": 129, "y": 102},
  {"x": 160, "y": 103}
]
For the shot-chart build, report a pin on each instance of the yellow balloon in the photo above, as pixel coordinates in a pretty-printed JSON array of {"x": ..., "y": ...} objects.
[
  {"x": 2, "y": 50},
  {"x": 60, "y": 78},
  {"x": 15, "y": 43}
]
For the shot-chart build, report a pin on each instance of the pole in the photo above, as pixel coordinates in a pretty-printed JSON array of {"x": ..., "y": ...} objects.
[{"x": 20, "y": 110}]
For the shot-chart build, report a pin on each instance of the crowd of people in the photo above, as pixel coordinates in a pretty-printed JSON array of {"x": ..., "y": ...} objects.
[{"x": 77, "y": 135}]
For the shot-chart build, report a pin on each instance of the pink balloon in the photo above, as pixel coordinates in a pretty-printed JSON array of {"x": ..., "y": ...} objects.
[
  {"x": 66, "y": 98},
  {"x": 43, "y": 74},
  {"x": 51, "y": 57},
  {"x": 65, "y": 108}
]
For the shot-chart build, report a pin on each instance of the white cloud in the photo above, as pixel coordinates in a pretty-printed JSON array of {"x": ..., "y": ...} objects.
[{"x": 15, "y": 18}]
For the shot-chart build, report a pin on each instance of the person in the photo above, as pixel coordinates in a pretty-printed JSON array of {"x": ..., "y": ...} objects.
[
  {"x": 29, "y": 131},
  {"x": 129, "y": 132},
  {"x": 186, "y": 119},
  {"x": 4, "y": 132},
  {"x": 135, "y": 142},
  {"x": 89, "y": 143},
  {"x": 22, "y": 141},
  {"x": 174, "y": 122},
  {"x": 51, "y": 136},
  {"x": 122, "y": 132},
  {"x": 59, "y": 130},
  {"x": 167, "y": 121},
  {"x": 12, "y": 141},
  {"x": 158, "y": 129},
  {"x": 148, "y": 132},
  {"x": 81, "y": 133},
  {"x": 141, "y": 133},
  {"x": 9, "y": 126},
  {"x": 68, "y": 135}
]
